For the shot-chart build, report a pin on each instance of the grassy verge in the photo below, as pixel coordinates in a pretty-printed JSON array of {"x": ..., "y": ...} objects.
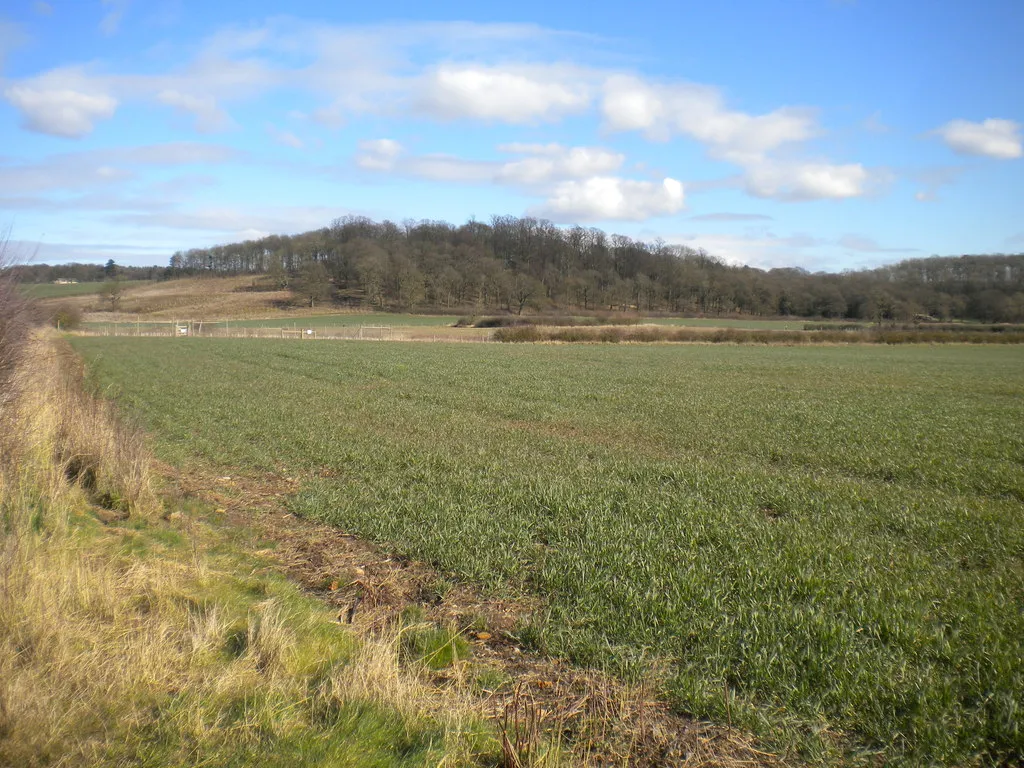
[
  {"x": 141, "y": 631},
  {"x": 822, "y": 544}
]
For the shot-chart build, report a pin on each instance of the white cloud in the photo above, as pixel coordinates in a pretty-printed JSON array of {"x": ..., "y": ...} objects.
[
  {"x": 806, "y": 181},
  {"x": 762, "y": 249},
  {"x": 62, "y": 102},
  {"x": 1000, "y": 139},
  {"x": 573, "y": 181},
  {"x": 661, "y": 111},
  {"x": 759, "y": 247},
  {"x": 543, "y": 165},
  {"x": 608, "y": 197},
  {"x": 699, "y": 111},
  {"x": 378, "y": 154},
  {"x": 503, "y": 94},
  {"x": 556, "y": 162},
  {"x": 209, "y": 116}
]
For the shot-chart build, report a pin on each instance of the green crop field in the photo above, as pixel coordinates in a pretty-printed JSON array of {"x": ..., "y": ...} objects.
[
  {"x": 823, "y": 545},
  {"x": 52, "y": 291}
]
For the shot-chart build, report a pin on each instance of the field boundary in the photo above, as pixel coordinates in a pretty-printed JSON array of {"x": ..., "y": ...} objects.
[{"x": 599, "y": 719}]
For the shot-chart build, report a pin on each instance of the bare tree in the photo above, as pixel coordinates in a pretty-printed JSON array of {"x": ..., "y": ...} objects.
[{"x": 113, "y": 292}]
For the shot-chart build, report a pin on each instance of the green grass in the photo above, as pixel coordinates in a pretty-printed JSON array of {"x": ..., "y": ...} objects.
[
  {"x": 51, "y": 291},
  {"x": 825, "y": 545}
]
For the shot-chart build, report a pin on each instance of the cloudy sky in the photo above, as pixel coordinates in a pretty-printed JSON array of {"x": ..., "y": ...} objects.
[{"x": 826, "y": 134}]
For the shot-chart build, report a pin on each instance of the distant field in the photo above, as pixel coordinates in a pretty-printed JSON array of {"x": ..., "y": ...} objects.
[
  {"x": 825, "y": 545},
  {"x": 350, "y": 320},
  {"x": 51, "y": 291}
]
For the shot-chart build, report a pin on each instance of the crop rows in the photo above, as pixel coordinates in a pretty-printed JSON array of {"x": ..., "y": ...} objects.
[{"x": 821, "y": 544}]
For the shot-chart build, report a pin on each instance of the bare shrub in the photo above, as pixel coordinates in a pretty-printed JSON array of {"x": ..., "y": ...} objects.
[{"x": 14, "y": 320}]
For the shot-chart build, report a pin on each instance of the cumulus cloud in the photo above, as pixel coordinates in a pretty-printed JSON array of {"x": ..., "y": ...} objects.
[
  {"x": 540, "y": 166},
  {"x": 554, "y": 162},
  {"x": 60, "y": 112},
  {"x": 378, "y": 154},
  {"x": 608, "y": 197},
  {"x": 698, "y": 111},
  {"x": 806, "y": 181},
  {"x": 762, "y": 249},
  {"x": 61, "y": 103},
  {"x": 662, "y": 111},
  {"x": 503, "y": 94},
  {"x": 1000, "y": 139},
  {"x": 574, "y": 182}
]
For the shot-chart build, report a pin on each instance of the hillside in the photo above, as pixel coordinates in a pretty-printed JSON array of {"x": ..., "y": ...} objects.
[{"x": 521, "y": 264}]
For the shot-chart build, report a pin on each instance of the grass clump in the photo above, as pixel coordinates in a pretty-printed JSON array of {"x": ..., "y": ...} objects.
[{"x": 424, "y": 643}]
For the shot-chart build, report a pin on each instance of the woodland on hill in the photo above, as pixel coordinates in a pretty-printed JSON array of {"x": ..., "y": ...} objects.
[{"x": 516, "y": 264}]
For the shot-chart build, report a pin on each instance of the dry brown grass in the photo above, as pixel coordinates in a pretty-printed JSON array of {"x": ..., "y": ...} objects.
[
  {"x": 116, "y": 649},
  {"x": 194, "y": 298}
]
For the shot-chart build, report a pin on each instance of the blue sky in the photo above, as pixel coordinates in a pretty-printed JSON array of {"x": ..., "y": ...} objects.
[{"x": 824, "y": 134}]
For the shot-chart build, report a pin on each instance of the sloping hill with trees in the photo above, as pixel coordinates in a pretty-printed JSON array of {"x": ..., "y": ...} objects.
[
  {"x": 514, "y": 263},
  {"x": 527, "y": 264}
]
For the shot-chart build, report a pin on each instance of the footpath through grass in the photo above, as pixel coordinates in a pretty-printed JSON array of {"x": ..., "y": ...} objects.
[{"x": 825, "y": 545}]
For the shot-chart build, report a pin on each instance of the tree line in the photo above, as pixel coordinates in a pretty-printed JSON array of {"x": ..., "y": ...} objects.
[
  {"x": 84, "y": 273},
  {"x": 517, "y": 264}
]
